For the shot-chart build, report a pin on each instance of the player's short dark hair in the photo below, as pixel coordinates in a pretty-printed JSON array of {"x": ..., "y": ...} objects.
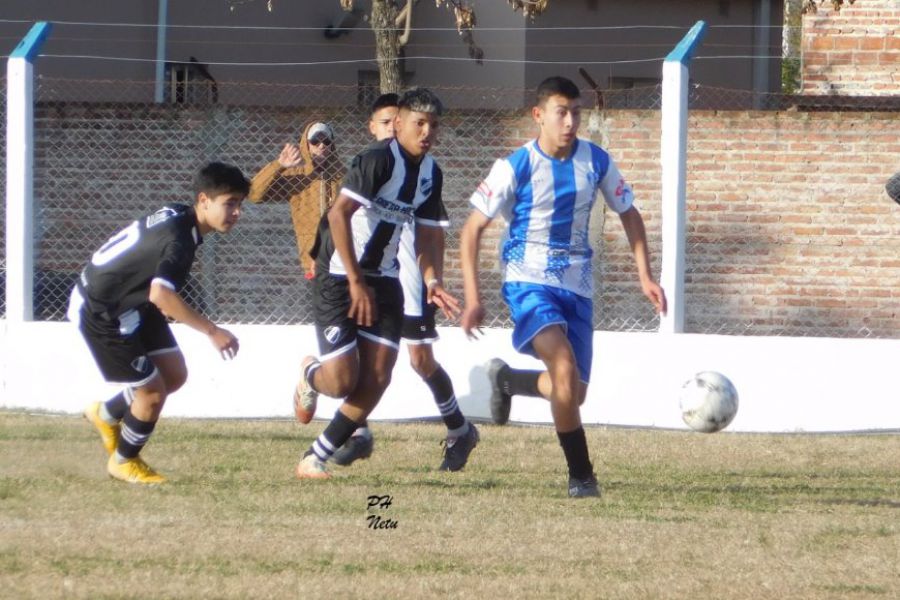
[
  {"x": 217, "y": 178},
  {"x": 421, "y": 100},
  {"x": 556, "y": 86},
  {"x": 384, "y": 101}
]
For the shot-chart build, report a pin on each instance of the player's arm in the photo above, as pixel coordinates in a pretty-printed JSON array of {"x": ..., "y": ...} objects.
[
  {"x": 430, "y": 220},
  {"x": 633, "y": 224},
  {"x": 469, "y": 247},
  {"x": 497, "y": 190},
  {"x": 429, "y": 241},
  {"x": 170, "y": 303},
  {"x": 362, "y": 299}
]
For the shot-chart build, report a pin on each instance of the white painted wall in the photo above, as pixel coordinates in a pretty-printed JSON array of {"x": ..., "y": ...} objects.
[{"x": 785, "y": 384}]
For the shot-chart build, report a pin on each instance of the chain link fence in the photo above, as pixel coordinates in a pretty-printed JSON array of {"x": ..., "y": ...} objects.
[{"x": 98, "y": 165}]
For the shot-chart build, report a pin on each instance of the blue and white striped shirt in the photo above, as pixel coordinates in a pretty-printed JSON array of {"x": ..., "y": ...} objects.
[{"x": 547, "y": 203}]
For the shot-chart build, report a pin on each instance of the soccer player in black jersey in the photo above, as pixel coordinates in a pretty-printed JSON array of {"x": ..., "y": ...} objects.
[
  {"x": 120, "y": 304},
  {"x": 358, "y": 298}
]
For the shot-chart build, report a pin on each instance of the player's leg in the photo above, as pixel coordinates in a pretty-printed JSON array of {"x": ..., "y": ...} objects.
[
  {"x": 532, "y": 309},
  {"x": 335, "y": 371},
  {"x": 104, "y": 416},
  {"x": 377, "y": 348},
  {"x": 136, "y": 428},
  {"x": 462, "y": 436},
  {"x": 342, "y": 378},
  {"x": 148, "y": 398},
  {"x": 420, "y": 333},
  {"x": 376, "y": 362},
  {"x": 360, "y": 446},
  {"x": 118, "y": 349},
  {"x": 568, "y": 354},
  {"x": 553, "y": 348}
]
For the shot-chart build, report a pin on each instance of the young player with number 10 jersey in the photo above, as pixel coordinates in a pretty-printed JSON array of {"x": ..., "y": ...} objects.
[{"x": 120, "y": 304}]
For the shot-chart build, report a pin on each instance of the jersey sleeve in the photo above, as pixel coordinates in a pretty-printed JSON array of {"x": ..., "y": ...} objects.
[
  {"x": 175, "y": 263},
  {"x": 496, "y": 190},
  {"x": 369, "y": 171},
  {"x": 432, "y": 211},
  {"x": 616, "y": 191}
]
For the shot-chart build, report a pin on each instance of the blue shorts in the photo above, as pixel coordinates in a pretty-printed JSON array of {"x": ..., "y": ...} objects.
[{"x": 534, "y": 307}]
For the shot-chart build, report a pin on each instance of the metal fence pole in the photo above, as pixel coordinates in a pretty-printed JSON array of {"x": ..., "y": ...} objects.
[{"x": 158, "y": 88}]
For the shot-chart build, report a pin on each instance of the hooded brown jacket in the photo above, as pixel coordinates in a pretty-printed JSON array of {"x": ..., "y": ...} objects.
[{"x": 309, "y": 191}]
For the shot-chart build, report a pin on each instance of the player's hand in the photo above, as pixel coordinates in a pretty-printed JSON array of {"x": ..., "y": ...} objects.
[
  {"x": 444, "y": 300},
  {"x": 655, "y": 294},
  {"x": 362, "y": 305},
  {"x": 290, "y": 156},
  {"x": 225, "y": 342},
  {"x": 472, "y": 317}
]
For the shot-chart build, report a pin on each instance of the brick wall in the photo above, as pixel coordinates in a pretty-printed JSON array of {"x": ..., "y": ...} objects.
[
  {"x": 853, "y": 52},
  {"x": 790, "y": 231}
]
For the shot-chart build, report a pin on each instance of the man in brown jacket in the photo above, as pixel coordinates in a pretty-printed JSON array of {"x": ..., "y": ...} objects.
[{"x": 308, "y": 175}]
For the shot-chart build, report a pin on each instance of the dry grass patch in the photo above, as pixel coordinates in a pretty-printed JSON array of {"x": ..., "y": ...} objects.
[{"x": 683, "y": 516}]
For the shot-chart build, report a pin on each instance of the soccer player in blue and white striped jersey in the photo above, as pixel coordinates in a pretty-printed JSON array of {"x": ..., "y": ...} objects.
[{"x": 546, "y": 190}]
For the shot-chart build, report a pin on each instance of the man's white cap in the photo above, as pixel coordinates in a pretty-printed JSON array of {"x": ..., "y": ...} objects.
[{"x": 323, "y": 128}]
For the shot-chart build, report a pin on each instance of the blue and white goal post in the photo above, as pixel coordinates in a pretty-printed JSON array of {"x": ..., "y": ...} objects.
[
  {"x": 19, "y": 174},
  {"x": 673, "y": 156}
]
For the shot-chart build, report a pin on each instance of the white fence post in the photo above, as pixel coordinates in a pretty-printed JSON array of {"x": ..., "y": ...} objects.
[
  {"x": 20, "y": 174},
  {"x": 673, "y": 155}
]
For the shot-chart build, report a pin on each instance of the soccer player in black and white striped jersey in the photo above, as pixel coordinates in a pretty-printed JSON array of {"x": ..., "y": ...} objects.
[
  {"x": 358, "y": 298},
  {"x": 419, "y": 331}
]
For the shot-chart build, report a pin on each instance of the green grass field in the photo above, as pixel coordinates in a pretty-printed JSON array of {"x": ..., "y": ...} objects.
[{"x": 684, "y": 515}]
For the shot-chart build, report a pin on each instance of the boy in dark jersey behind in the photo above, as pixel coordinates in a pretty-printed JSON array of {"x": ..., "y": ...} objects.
[{"x": 120, "y": 304}]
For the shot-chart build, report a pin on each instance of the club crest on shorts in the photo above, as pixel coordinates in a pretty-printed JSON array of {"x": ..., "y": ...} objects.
[
  {"x": 332, "y": 333},
  {"x": 140, "y": 364}
]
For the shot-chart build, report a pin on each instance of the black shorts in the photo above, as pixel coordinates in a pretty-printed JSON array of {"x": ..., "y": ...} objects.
[
  {"x": 421, "y": 329},
  {"x": 122, "y": 346},
  {"x": 337, "y": 332}
]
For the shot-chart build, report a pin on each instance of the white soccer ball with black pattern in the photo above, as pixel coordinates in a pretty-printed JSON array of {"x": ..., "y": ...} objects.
[{"x": 708, "y": 401}]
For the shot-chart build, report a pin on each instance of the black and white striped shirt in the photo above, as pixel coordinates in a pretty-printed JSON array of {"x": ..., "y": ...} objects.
[{"x": 393, "y": 190}]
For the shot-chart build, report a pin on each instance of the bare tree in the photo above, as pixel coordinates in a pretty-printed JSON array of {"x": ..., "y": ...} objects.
[
  {"x": 790, "y": 46},
  {"x": 391, "y": 22},
  {"x": 389, "y": 19}
]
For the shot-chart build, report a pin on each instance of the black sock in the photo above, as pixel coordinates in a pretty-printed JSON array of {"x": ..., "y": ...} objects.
[
  {"x": 133, "y": 435},
  {"x": 574, "y": 446},
  {"x": 519, "y": 382},
  {"x": 442, "y": 389},
  {"x": 117, "y": 406},
  {"x": 336, "y": 433}
]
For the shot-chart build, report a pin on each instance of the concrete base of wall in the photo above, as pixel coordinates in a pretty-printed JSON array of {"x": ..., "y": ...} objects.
[{"x": 785, "y": 384}]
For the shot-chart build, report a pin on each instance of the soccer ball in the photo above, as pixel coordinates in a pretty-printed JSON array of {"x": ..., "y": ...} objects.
[{"x": 708, "y": 402}]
